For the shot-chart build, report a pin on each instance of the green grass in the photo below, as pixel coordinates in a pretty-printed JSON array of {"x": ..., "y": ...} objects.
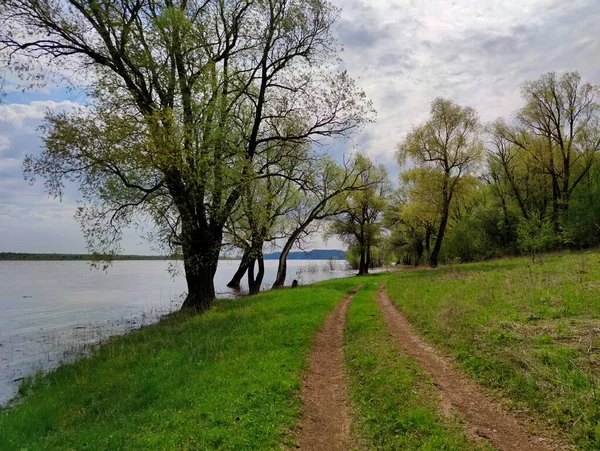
[
  {"x": 395, "y": 404},
  {"x": 227, "y": 379},
  {"x": 529, "y": 331},
  {"x": 230, "y": 379}
]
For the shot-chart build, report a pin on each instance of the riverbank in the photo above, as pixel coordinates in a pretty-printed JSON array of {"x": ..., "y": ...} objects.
[
  {"x": 524, "y": 334},
  {"x": 227, "y": 379},
  {"x": 52, "y": 311}
]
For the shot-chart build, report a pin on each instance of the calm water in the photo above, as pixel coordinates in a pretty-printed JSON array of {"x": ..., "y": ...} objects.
[{"x": 51, "y": 311}]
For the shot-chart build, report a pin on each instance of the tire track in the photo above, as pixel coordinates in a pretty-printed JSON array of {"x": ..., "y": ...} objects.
[
  {"x": 326, "y": 419},
  {"x": 484, "y": 417}
]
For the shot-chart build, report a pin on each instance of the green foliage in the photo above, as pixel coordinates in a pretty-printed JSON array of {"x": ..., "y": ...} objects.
[
  {"x": 542, "y": 178},
  {"x": 482, "y": 230},
  {"x": 581, "y": 228},
  {"x": 535, "y": 235},
  {"x": 359, "y": 223},
  {"x": 395, "y": 405},
  {"x": 525, "y": 330},
  {"x": 466, "y": 243}
]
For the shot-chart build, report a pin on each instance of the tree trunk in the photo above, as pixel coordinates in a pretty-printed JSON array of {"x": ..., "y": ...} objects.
[
  {"x": 419, "y": 252},
  {"x": 427, "y": 240},
  {"x": 199, "y": 275},
  {"x": 255, "y": 283},
  {"x": 555, "y": 203},
  {"x": 282, "y": 267},
  {"x": 201, "y": 250},
  {"x": 563, "y": 207},
  {"x": 516, "y": 192},
  {"x": 251, "y": 263},
  {"x": 433, "y": 258},
  {"x": 361, "y": 264},
  {"x": 368, "y": 258},
  {"x": 556, "y": 195},
  {"x": 239, "y": 274}
]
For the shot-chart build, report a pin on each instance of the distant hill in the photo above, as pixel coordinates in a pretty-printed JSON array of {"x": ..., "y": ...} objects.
[
  {"x": 28, "y": 256},
  {"x": 315, "y": 254}
]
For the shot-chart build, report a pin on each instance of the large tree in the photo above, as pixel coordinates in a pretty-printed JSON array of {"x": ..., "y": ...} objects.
[
  {"x": 448, "y": 145},
  {"x": 184, "y": 95}
]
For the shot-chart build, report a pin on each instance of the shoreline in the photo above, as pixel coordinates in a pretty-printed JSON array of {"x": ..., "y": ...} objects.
[{"x": 53, "y": 342}]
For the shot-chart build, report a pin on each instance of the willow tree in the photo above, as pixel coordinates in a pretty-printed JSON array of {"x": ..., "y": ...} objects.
[
  {"x": 183, "y": 95},
  {"x": 360, "y": 222},
  {"x": 257, "y": 221},
  {"x": 558, "y": 132},
  {"x": 448, "y": 145}
]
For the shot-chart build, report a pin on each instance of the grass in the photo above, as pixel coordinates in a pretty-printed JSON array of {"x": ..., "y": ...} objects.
[
  {"x": 227, "y": 379},
  {"x": 395, "y": 404},
  {"x": 230, "y": 379},
  {"x": 529, "y": 331}
]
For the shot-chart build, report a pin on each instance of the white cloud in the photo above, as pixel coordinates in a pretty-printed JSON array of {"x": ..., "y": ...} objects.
[
  {"x": 4, "y": 143},
  {"x": 405, "y": 53},
  {"x": 16, "y": 114},
  {"x": 31, "y": 221},
  {"x": 7, "y": 164}
]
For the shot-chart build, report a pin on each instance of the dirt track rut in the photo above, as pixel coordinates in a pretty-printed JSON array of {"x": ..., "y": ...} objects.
[
  {"x": 325, "y": 423},
  {"x": 484, "y": 417}
]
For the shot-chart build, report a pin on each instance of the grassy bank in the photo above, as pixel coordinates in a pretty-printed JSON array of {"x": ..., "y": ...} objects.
[
  {"x": 230, "y": 379},
  {"x": 227, "y": 379},
  {"x": 530, "y": 331},
  {"x": 395, "y": 405}
]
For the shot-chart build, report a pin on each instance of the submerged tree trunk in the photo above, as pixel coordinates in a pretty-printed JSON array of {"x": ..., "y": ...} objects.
[
  {"x": 239, "y": 274},
  {"x": 254, "y": 284}
]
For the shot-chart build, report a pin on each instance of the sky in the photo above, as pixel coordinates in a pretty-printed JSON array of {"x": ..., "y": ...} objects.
[{"x": 403, "y": 54}]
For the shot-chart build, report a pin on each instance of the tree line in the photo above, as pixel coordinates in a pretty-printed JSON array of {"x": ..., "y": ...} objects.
[
  {"x": 87, "y": 257},
  {"x": 524, "y": 185},
  {"x": 472, "y": 191}
]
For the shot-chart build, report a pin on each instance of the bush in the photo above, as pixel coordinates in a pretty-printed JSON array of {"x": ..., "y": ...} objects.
[{"x": 535, "y": 235}]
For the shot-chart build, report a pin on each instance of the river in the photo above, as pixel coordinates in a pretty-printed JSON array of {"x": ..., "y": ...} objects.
[{"x": 52, "y": 311}]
